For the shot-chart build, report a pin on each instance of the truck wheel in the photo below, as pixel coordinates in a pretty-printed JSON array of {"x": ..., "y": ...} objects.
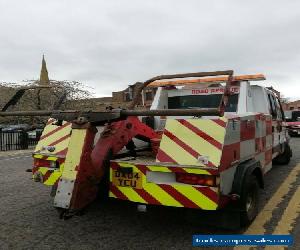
[
  {"x": 249, "y": 200},
  {"x": 285, "y": 157}
]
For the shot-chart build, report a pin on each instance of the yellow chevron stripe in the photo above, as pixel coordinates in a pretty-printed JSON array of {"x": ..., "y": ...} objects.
[
  {"x": 223, "y": 118},
  {"x": 61, "y": 167},
  {"x": 177, "y": 153},
  {"x": 37, "y": 156},
  {"x": 49, "y": 128},
  {"x": 43, "y": 170},
  {"x": 74, "y": 153},
  {"x": 131, "y": 194},
  {"x": 156, "y": 191},
  {"x": 110, "y": 174},
  {"x": 52, "y": 138},
  {"x": 51, "y": 158},
  {"x": 162, "y": 196},
  {"x": 159, "y": 169},
  {"x": 153, "y": 189},
  {"x": 196, "y": 196},
  {"x": 61, "y": 146},
  {"x": 197, "y": 143},
  {"x": 126, "y": 165},
  {"x": 197, "y": 171},
  {"x": 210, "y": 127},
  {"x": 112, "y": 195},
  {"x": 53, "y": 178}
]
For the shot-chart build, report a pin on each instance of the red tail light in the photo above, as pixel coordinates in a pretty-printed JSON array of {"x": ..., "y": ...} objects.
[
  {"x": 44, "y": 163},
  {"x": 196, "y": 179}
]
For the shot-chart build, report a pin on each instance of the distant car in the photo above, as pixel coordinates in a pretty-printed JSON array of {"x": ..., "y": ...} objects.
[
  {"x": 293, "y": 122},
  {"x": 35, "y": 134},
  {"x": 17, "y": 127},
  {"x": 2, "y": 126}
]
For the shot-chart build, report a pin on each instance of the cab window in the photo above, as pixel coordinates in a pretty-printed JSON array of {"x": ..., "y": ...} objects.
[
  {"x": 202, "y": 101},
  {"x": 273, "y": 111}
]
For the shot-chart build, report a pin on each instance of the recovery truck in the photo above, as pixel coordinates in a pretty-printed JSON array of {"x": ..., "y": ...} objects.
[{"x": 210, "y": 139}]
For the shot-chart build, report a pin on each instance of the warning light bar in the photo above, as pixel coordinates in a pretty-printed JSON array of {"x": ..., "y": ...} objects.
[{"x": 183, "y": 82}]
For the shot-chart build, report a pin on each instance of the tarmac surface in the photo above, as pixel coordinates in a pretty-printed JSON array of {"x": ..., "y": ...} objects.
[{"x": 29, "y": 221}]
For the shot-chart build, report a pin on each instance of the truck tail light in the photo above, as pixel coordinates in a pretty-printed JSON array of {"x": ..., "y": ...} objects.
[
  {"x": 45, "y": 163},
  {"x": 196, "y": 179}
]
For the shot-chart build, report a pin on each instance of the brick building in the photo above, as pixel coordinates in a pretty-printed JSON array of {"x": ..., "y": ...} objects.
[
  {"x": 295, "y": 105},
  {"x": 125, "y": 96}
]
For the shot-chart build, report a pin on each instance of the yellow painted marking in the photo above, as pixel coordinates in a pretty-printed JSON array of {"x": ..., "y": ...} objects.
[
  {"x": 197, "y": 171},
  {"x": 43, "y": 170},
  {"x": 223, "y": 118},
  {"x": 61, "y": 146},
  {"x": 53, "y": 178},
  {"x": 131, "y": 194},
  {"x": 152, "y": 188},
  {"x": 74, "y": 153},
  {"x": 159, "y": 169},
  {"x": 58, "y": 134},
  {"x": 197, "y": 197},
  {"x": 38, "y": 156},
  {"x": 61, "y": 167},
  {"x": 110, "y": 174},
  {"x": 257, "y": 227},
  {"x": 178, "y": 153},
  {"x": 126, "y": 165},
  {"x": 112, "y": 195},
  {"x": 54, "y": 137},
  {"x": 162, "y": 196},
  {"x": 196, "y": 142},
  {"x": 284, "y": 226},
  {"x": 52, "y": 158},
  {"x": 211, "y": 128},
  {"x": 58, "y": 147}
]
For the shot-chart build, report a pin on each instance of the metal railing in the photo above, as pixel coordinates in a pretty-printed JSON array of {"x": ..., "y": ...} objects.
[{"x": 17, "y": 140}]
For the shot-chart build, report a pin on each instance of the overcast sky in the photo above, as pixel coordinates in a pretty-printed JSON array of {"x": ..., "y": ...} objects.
[{"x": 110, "y": 44}]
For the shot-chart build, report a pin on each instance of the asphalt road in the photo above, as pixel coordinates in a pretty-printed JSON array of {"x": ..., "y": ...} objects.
[{"x": 28, "y": 220}]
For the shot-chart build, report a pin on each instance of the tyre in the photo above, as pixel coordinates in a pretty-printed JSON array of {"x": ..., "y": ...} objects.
[
  {"x": 285, "y": 157},
  {"x": 249, "y": 200}
]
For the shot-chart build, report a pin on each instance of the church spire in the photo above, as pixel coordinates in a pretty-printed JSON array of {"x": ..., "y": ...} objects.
[{"x": 44, "y": 79}]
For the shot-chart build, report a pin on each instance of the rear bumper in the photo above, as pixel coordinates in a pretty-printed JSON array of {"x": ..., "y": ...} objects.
[
  {"x": 159, "y": 187},
  {"x": 47, "y": 176}
]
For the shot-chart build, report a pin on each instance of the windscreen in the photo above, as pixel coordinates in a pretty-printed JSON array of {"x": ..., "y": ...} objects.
[{"x": 202, "y": 101}]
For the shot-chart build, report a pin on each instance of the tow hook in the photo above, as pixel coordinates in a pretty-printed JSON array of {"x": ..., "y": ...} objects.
[{"x": 142, "y": 208}]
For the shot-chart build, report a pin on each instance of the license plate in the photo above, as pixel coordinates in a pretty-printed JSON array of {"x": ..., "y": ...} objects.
[{"x": 122, "y": 179}]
